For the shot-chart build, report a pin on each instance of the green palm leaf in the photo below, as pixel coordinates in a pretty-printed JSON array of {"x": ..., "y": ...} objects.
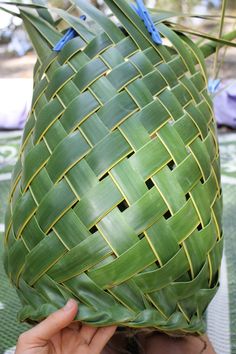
[{"x": 116, "y": 199}]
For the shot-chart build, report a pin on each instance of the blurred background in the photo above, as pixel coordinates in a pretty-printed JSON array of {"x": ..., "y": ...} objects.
[{"x": 17, "y": 59}]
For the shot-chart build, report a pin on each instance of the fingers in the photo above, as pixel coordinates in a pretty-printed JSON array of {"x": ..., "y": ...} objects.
[
  {"x": 76, "y": 326},
  {"x": 53, "y": 324},
  {"x": 94, "y": 338},
  {"x": 87, "y": 333},
  {"x": 101, "y": 337}
]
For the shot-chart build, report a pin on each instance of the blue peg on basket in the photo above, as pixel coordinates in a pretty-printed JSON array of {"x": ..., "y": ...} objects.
[
  {"x": 70, "y": 34},
  {"x": 143, "y": 13}
]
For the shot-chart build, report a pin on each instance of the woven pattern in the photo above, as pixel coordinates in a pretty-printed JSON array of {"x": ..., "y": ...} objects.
[{"x": 116, "y": 198}]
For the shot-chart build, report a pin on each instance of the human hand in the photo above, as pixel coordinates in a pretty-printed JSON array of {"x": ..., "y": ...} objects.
[{"x": 58, "y": 335}]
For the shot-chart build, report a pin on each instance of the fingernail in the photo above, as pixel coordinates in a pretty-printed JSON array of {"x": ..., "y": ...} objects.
[{"x": 69, "y": 305}]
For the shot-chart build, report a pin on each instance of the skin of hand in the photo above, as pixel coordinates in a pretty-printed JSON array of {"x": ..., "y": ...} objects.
[{"x": 58, "y": 335}]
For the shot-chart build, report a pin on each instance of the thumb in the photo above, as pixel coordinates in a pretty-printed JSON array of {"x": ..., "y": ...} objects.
[{"x": 53, "y": 324}]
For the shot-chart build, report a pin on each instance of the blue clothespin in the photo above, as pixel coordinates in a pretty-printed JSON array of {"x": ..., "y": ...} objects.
[
  {"x": 145, "y": 16},
  {"x": 70, "y": 34},
  {"x": 213, "y": 85}
]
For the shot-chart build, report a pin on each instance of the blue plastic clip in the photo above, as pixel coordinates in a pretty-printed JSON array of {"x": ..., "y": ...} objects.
[
  {"x": 145, "y": 16},
  {"x": 213, "y": 85},
  {"x": 70, "y": 34}
]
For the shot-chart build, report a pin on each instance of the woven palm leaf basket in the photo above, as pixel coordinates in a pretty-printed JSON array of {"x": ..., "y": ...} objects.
[{"x": 115, "y": 198}]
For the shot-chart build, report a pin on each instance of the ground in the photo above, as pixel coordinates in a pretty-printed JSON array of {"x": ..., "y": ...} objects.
[{"x": 15, "y": 67}]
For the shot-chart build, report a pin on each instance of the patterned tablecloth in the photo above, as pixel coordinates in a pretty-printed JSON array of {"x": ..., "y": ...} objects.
[{"x": 221, "y": 314}]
